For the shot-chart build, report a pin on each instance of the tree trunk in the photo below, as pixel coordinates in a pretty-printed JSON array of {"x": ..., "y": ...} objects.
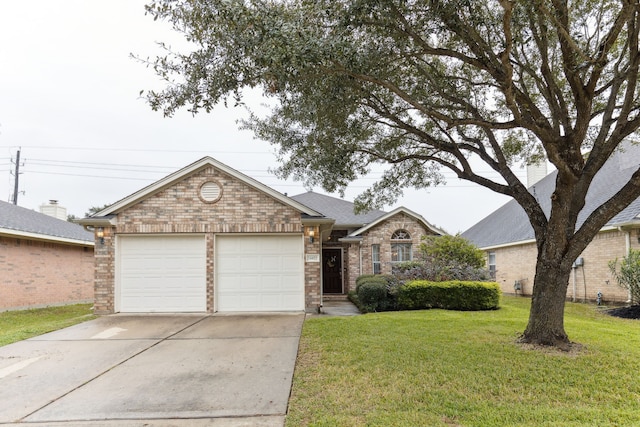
[{"x": 546, "y": 318}]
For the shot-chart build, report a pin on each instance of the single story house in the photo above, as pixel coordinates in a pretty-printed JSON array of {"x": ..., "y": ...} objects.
[
  {"x": 507, "y": 236},
  {"x": 44, "y": 261},
  {"x": 208, "y": 238},
  {"x": 366, "y": 243}
]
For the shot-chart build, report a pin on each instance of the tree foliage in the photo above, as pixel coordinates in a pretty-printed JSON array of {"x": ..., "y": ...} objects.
[
  {"x": 628, "y": 275},
  {"x": 427, "y": 85},
  {"x": 452, "y": 249},
  {"x": 95, "y": 209}
]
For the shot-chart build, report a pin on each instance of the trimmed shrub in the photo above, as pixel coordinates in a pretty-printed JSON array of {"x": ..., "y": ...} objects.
[
  {"x": 452, "y": 295},
  {"x": 386, "y": 279},
  {"x": 373, "y": 296},
  {"x": 376, "y": 292}
]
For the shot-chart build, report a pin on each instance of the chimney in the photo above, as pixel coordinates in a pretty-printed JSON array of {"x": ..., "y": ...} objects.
[
  {"x": 535, "y": 172},
  {"x": 54, "y": 209}
]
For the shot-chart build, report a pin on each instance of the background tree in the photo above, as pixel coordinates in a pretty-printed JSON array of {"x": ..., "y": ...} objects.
[
  {"x": 426, "y": 85},
  {"x": 95, "y": 209},
  {"x": 628, "y": 275}
]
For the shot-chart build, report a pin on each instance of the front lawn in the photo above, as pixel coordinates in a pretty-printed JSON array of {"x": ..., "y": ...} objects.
[
  {"x": 20, "y": 325},
  {"x": 449, "y": 368}
]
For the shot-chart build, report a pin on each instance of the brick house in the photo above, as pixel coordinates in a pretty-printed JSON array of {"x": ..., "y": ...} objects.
[
  {"x": 367, "y": 243},
  {"x": 209, "y": 238},
  {"x": 44, "y": 261},
  {"x": 507, "y": 237}
]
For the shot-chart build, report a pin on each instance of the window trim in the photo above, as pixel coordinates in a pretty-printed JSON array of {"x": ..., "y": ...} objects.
[
  {"x": 491, "y": 255},
  {"x": 376, "y": 265},
  {"x": 401, "y": 244}
]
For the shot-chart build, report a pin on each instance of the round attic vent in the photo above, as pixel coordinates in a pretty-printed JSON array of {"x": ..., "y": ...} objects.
[{"x": 210, "y": 191}]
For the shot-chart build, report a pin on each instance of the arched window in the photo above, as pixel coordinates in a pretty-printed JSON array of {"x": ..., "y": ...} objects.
[
  {"x": 400, "y": 246},
  {"x": 401, "y": 235}
]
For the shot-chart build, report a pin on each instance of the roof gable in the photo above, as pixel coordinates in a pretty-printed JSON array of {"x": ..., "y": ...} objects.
[
  {"x": 509, "y": 223},
  {"x": 393, "y": 213},
  {"x": 185, "y": 172},
  {"x": 25, "y": 223}
]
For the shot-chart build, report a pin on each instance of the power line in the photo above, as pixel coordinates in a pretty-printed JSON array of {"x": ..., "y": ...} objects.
[
  {"x": 31, "y": 162},
  {"x": 101, "y": 163},
  {"x": 144, "y": 150},
  {"x": 93, "y": 176},
  {"x": 127, "y": 168}
]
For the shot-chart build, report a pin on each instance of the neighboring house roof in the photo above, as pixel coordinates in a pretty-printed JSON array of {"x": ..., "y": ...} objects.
[
  {"x": 510, "y": 224},
  {"x": 177, "y": 176},
  {"x": 340, "y": 210},
  {"x": 25, "y": 223},
  {"x": 391, "y": 214}
]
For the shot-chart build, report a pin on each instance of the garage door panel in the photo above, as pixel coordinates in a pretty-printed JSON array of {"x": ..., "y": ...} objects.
[
  {"x": 259, "y": 273},
  {"x": 162, "y": 273}
]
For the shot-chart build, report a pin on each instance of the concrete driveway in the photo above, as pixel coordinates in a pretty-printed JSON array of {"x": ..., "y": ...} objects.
[{"x": 153, "y": 370}]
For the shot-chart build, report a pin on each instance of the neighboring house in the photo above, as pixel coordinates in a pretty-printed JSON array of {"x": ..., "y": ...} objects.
[
  {"x": 44, "y": 261},
  {"x": 209, "y": 238},
  {"x": 508, "y": 238}
]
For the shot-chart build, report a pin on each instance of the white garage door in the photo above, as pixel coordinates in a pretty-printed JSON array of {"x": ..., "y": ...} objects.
[
  {"x": 162, "y": 274},
  {"x": 259, "y": 273}
]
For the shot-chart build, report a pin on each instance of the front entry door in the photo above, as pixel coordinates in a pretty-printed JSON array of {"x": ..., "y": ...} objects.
[{"x": 332, "y": 271}]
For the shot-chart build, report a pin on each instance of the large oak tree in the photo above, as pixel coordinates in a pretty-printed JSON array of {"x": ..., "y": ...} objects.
[{"x": 426, "y": 85}]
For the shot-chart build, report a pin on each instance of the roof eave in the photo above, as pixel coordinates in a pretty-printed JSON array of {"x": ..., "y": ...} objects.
[
  {"x": 97, "y": 221},
  {"x": 394, "y": 212},
  {"x": 44, "y": 237},
  {"x": 635, "y": 223},
  {"x": 350, "y": 239}
]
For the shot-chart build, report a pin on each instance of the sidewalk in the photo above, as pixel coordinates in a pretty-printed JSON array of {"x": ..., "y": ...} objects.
[{"x": 339, "y": 308}]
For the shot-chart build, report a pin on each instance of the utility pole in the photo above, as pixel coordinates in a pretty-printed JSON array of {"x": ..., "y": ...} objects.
[{"x": 16, "y": 178}]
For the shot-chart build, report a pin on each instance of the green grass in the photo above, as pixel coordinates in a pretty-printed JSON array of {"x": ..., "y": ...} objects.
[
  {"x": 20, "y": 325},
  {"x": 444, "y": 368}
]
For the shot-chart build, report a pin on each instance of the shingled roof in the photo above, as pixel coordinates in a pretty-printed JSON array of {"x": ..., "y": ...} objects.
[
  {"x": 338, "y": 209},
  {"x": 509, "y": 224},
  {"x": 21, "y": 222}
]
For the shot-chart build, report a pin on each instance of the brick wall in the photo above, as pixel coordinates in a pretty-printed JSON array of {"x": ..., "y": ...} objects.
[
  {"x": 312, "y": 274},
  {"x": 179, "y": 209},
  {"x": 518, "y": 263},
  {"x": 381, "y": 235},
  {"x": 38, "y": 273}
]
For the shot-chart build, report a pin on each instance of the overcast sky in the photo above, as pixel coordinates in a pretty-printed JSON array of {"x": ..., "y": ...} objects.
[{"x": 69, "y": 101}]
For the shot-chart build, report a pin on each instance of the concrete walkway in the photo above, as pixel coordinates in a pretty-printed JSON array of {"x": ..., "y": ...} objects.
[
  {"x": 339, "y": 308},
  {"x": 153, "y": 370}
]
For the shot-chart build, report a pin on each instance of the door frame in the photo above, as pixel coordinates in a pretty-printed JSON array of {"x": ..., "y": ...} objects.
[{"x": 341, "y": 270}]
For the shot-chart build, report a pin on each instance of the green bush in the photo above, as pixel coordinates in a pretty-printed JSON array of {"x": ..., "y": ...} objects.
[
  {"x": 454, "y": 250},
  {"x": 385, "y": 279},
  {"x": 452, "y": 295},
  {"x": 628, "y": 276},
  {"x": 373, "y": 296},
  {"x": 376, "y": 292}
]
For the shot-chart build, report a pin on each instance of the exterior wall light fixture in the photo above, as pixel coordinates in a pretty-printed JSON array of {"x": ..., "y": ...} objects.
[{"x": 100, "y": 234}]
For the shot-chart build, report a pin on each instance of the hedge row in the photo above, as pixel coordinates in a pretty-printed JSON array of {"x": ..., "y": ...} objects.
[
  {"x": 385, "y": 292},
  {"x": 452, "y": 295}
]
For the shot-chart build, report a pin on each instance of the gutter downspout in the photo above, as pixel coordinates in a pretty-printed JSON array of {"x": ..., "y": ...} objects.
[
  {"x": 574, "y": 284},
  {"x": 360, "y": 258},
  {"x": 627, "y": 241}
]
